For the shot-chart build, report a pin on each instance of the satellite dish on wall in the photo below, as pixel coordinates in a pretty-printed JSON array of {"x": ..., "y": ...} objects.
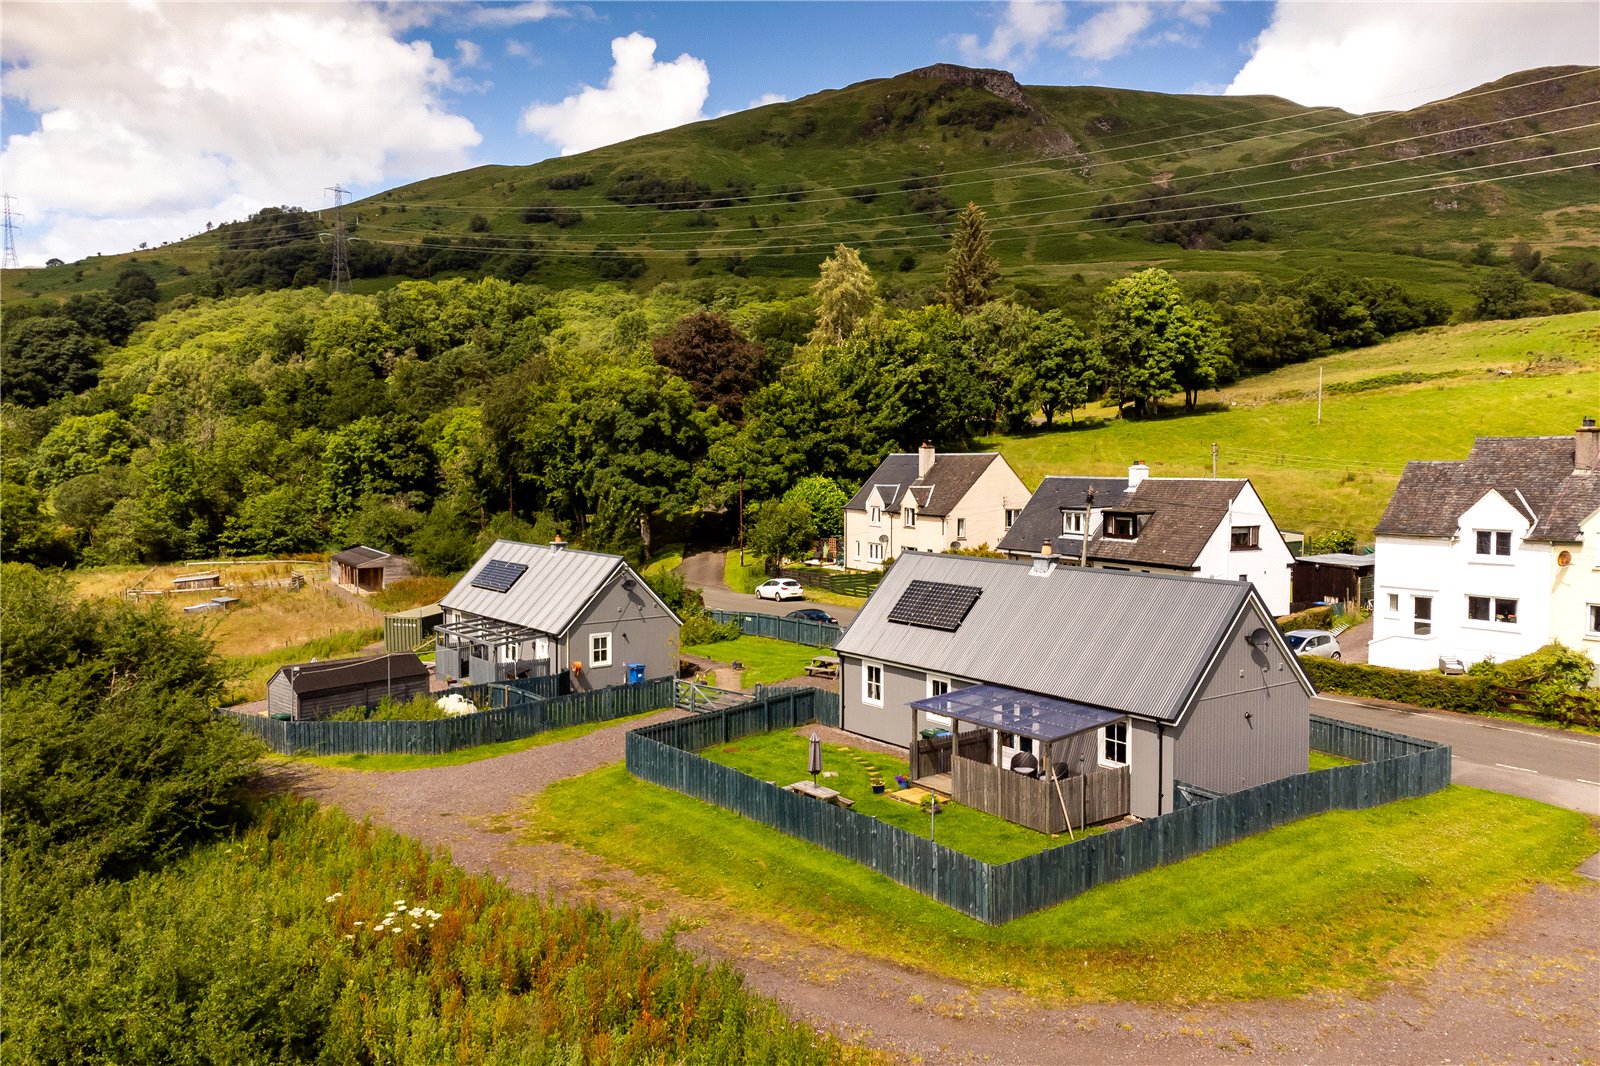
[
  {"x": 1258, "y": 638},
  {"x": 1564, "y": 559}
]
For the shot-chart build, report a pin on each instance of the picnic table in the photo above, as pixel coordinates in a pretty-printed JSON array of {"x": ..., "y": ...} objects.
[
  {"x": 823, "y": 666},
  {"x": 821, "y": 792}
]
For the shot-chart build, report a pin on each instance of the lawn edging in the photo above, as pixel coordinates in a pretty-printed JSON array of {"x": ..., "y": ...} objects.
[{"x": 1395, "y": 767}]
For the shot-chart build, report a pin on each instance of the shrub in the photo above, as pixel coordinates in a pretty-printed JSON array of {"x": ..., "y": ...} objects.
[
  {"x": 424, "y": 708},
  {"x": 702, "y": 630},
  {"x": 1468, "y": 694},
  {"x": 1311, "y": 618},
  {"x": 575, "y": 180}
]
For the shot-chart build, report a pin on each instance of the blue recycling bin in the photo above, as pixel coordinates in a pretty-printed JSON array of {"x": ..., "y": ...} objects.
[{"x": 635, "y": 673}]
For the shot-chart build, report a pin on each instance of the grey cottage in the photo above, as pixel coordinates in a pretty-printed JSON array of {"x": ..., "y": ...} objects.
[
  {"x": 530, "y": 610},
  {"x": 1015, "y": 672}
]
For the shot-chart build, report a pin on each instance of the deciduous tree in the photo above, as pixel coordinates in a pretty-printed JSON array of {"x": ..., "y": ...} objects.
[{"x": 846, "y": 296}]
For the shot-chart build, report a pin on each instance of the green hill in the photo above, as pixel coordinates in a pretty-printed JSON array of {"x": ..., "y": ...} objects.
[
  {"x": 1422, "y": 396},
  {"x": 1233, "y": 185}
]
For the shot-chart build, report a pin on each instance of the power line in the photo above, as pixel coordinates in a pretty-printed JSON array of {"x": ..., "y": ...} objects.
[{"x": 339, "y": 275}]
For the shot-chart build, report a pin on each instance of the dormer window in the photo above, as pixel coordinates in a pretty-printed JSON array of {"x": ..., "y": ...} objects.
[
  {"x": 1072, "y": 522},
  {"x": 875, "y": 516},
  {"x": 911, "y": 518},
  {"x": 1121, "y": 526},
  {"x": 1492, "y": 542}
]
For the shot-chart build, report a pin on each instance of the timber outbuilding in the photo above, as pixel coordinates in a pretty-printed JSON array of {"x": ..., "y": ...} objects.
[
  {"x": 364, "y": 569},
  {"x": 1006, "y": 679},
  {"x": 310, "y": 691},
  {"x": 532, "y": 610}
]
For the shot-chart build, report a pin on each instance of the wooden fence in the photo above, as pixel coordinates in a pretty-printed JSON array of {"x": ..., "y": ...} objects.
[
  {"x": 497, "y": 695},
  {"x": 847, "y": 583},
  {"x": 511, "y": 722},
  {"x": 1039, "y": 803},
  {"x": 1403, "y": 767},
  {"x": 794, "y": 630}
]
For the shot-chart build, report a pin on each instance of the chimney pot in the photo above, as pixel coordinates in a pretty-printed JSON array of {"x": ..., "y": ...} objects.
[
  {"x": 1046, "y": 549},
  {"x": 1137, "y": 473},
  {"x": 557, "y": 544},
  {"x": 925, "y": 456},
  {"x": 1586, "y": 456}
]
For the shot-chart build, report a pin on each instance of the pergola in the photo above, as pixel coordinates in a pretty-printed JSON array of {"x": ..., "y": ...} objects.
[
  {"x": 488, "y": 631},
  {"x": 1028, "y": 791}
]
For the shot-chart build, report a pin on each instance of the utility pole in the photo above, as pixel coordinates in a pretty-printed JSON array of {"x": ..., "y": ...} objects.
[
  {"x": 1213, "y": 459},
  {"x": 339, "y": 276},
  {"x": 741, "y": 520},
  {"x": 1319, "y": 396},
  {"x": 11, "y": 236},
  {"x": 1083, "y": 534}
]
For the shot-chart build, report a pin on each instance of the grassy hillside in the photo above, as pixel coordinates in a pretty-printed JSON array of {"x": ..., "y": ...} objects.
[
  {"x": 1423, "y": 396},
  {"x": 766, "y": 193}
]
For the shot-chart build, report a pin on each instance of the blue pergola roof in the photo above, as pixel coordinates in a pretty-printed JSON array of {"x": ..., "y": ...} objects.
[{"x": 1011, "y": 710}]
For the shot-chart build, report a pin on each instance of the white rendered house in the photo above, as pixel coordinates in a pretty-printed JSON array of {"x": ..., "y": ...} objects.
[
  {"x": 1493, "y": 556},
  {"x": 928, "y": 502},
  {"x": 1200, "y": 527}
]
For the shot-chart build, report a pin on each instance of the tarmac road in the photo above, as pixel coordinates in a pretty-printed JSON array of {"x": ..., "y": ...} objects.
[{"x": 704, "y": 570}]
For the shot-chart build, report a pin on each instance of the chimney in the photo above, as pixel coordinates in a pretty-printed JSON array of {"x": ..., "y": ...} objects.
[
  {"x": 1587, "y": 456},
  {"x": 924, "y": 460},
  {"x": 558, "y": 544},
  {"x": 1046, "y": 549},
  {"x": 1137, "y": 473}
]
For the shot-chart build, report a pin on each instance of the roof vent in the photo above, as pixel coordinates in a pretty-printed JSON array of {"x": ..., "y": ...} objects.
[{"x": 1042, "y": 567}]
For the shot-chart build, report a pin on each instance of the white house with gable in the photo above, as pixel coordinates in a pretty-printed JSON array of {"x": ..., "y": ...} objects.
[{"x": 923, "y": 501}]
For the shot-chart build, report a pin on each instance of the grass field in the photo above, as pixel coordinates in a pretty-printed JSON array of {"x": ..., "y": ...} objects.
[
  {"x": 396, "y": 763},
  {"x": 766, "y": 661},
  {"x": 254, "y": 671},
  {"x": 1424, "y": 396},
  {"x": 1345, "y": 902},
  {"x": 745, "y": 576}
]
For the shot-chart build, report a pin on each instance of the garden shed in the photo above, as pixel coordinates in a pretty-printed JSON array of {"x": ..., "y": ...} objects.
[
  {"x": 1335, "y": 577},
  {"x": 364, "y": 569},
  {"x": 410, "y": 630},
  {"x": 309, "y": 691}
]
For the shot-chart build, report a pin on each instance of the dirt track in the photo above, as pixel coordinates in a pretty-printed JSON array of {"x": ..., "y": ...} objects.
[{"x": 1528, "y": 993}]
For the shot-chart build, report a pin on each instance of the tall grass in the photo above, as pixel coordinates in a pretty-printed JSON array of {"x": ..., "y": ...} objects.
[
  {"x": 310, "y": 938},
  {"x": 254, "y": 671}
]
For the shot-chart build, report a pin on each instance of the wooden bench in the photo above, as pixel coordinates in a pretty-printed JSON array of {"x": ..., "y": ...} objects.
[
  {"x": 823, "y": 666},
  {"x": 821, "y": 792}
]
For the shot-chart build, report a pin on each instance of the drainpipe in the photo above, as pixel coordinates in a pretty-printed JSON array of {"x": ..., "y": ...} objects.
[{"x": 1161, "y": 765}]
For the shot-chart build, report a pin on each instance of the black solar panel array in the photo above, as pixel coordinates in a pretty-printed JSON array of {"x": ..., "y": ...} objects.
[
  {"x": 498, "y": 575},
  {"x": 934, "y": 604}
]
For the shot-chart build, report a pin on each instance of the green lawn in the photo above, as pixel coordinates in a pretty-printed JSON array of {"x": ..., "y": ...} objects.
[
  {"x": 1345, "y": 901},
  {"x": 1341, "y": 473},
  {"x": 1321, "y": 760},
  {"x": 766, "y": 661},
  {"x": 465, "y": 755},
  {"x": 781, "y": 758},
  {"x": 744, "y": 577},
  {"x": 666, "y": 560}
]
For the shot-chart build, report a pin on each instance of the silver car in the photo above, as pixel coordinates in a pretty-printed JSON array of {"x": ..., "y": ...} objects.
[
  {"x": 780, "y": 588},
  {"x": 1313, "y": 642}
]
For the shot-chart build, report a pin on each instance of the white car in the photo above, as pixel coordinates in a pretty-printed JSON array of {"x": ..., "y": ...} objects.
[
  {"x": 780, "y": 588},
  {"x": 1313, "y": 642}
]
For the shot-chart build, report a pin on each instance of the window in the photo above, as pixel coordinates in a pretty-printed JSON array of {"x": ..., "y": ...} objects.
[
  {"x": 1114, "y": 745},
  {"x": 1072, "y": 522},
  {"x": 1492, "y": 542},
  {"x": 961, "y": 528},
  {"x": 1394, "y": 603},
  {"x": 1422, "y": 615},
  {"x": 911, "y": 518},
  {"x": 1478, "y": 608},
  {"x": 599, "y": 650},
  {"x": 480, "y": 651},
  {"x": 875, "y": 552},
  {"x": 872, "y": 684},
  {"x": 875, "y": 516},
  {"x": 1245, "y": 538},
  {"x": 1485, "y": 608},
  {"x": 1121, "y": 526},
  {"x": 938, "y": 686},
  {"x": 1012, "y": 514},
  {"x": 858, "y": 549},
  {"x": 1594, "y": 619}
]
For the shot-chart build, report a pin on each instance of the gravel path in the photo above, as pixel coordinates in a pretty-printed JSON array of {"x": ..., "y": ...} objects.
[{"x": 1527, "y": 993}]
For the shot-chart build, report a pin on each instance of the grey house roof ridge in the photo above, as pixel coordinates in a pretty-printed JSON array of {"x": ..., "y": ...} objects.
[
  {"x": 1141, "y": 644},
  {"x": 548, "y": 597}
]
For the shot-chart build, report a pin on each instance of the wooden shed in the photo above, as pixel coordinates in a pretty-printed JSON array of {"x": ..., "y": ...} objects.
[
  {"x": 1338, "y": 576},
  {"x": 309, "y": 691},
  {"x": 195, "y": 582},
  {"x": 364, "y": 569}
]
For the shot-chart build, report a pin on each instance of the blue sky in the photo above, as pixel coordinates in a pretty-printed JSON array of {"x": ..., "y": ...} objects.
[{"x": 141, "y": 122}]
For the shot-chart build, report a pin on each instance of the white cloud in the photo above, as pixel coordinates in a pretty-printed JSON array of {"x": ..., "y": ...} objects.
[
  {"x": 517, "y": 14},
  {"x": 761, "y": 101},
  {"x": 1396, "y": 55},
  {"x": 641, "y": 96},
  {"x": 1106, "y": 31},
  {"x": 468, "y": 53},
  {"x": 157, "y": 118},
  {"x": 1110, "y": 31},
  {"x": 1026, "y": 25}
]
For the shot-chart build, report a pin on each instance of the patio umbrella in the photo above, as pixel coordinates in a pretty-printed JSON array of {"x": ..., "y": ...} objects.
[{"x": 814, "y": 761}]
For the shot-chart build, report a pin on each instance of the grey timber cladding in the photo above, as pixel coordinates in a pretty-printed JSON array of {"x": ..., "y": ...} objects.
[
  {"x": 1139, "y": 643},
  {"x": 548, "y": 597}
]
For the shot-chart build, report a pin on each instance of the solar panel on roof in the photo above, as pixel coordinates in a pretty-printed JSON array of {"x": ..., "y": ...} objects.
[
  {"x": 498, "y": 575},
  {"x": 935, "y": 604}
]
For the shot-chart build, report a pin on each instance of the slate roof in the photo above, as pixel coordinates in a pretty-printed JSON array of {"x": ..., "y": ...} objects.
[
  {"x": 1136, "y": 643},
  {"x": 550, "y": 595},
  {"x": 335, "y": 674},
  {"x": 1534, "y": 474},
  {"x": 360, "y": 556},
  {"x": 950, "y": 478},
  {"x": 1183, "y": 516}
]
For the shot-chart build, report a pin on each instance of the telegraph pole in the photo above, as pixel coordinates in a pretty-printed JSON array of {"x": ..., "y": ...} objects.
[
  {"x": 11, "y": 236},
  {"x": 339, "y": 276},
  {"x": 1213, "y": 459}
]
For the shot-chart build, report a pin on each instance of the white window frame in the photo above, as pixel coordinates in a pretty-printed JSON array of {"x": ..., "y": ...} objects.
[
  {"x": 909, "y": 517},
  {"x": 1593, "y": 611},
  {"x": 1112, "y": 738},
  {"x": 1012, "y": 514},
  {"x": 875, "y": 516},
  {"x": 961, "y": 529},
  {"x": 1071, "y": 523},
  {"x": 1496, "y": 538},
  {"x": 869, "y": 685},
  {"x": 1252, "y": 538},
  {"x": 1421, "y": 625},
  {"x": 1492, "y": 605},
  {"x": 874, "y": 552},
  {"x": 937, "y": 686},
  {"x": 1394, "y": 604},
  {"x": 599, "y": 656}
]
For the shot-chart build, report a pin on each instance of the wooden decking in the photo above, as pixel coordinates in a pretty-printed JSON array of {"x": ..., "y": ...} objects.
[{"x": 939, "y": 783}]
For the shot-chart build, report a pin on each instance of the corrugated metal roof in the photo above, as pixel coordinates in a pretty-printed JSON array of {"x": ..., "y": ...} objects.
[
  {"x": 360, "y": 556},
  {"x": 548, "y": 597},
  {"x": 334, "y": 674},
  {"x": 1138, "y": 643}
]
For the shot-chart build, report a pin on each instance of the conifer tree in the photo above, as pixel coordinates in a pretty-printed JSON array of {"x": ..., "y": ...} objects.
[
  {"x": 846, "y": 296},
  {"x": 970, "y": 271}
]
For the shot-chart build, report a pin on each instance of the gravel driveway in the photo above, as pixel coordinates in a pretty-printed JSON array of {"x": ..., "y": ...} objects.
[{"x": 1528, "y": 993}]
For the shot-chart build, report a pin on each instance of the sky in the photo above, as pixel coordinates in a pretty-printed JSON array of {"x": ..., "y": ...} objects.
[{"x": 130, "y": 123}]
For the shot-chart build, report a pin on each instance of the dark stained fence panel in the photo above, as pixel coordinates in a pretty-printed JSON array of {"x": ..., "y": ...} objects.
[{"x": 793, "y": 630}]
